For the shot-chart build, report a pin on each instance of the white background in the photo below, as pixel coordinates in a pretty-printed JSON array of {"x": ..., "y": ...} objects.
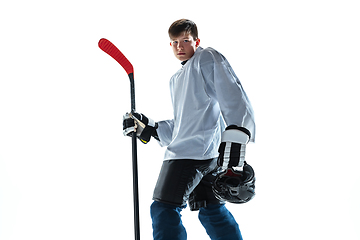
[{"x": 65, "y": 167}]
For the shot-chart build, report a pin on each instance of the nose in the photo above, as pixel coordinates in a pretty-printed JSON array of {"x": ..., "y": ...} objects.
[{"x": 180, "y": 46}]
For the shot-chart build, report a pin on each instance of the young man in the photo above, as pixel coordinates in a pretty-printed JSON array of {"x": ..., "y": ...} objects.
[{"x": 206, "y": 97}]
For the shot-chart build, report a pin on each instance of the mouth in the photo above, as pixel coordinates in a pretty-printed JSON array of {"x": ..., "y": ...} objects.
[{"x": 181, "y": 53}]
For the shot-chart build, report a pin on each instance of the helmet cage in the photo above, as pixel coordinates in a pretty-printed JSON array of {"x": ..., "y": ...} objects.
[{"x": 235, "y": 186}]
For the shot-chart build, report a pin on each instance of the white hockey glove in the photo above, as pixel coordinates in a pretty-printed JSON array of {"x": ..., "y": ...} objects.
[
  {"x": 232, "y": 147},
  {"x": 143, "y": 126}
]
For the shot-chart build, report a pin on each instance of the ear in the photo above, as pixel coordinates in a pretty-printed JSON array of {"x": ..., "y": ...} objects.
[
  {"x": 197, "y": 42},
  {"x": 170, "y": 44}
]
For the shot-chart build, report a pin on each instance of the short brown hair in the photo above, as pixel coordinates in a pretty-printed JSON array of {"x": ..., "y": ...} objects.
[{"x": 183, "y": 25}]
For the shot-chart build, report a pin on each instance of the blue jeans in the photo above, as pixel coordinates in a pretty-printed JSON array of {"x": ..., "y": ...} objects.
[{"x": 216, "y": 219}]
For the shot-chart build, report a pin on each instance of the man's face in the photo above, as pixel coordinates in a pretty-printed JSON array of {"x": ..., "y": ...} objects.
[{"x": 184, "y": 46}]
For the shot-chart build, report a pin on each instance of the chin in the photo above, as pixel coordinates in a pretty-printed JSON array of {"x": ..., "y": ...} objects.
[{"x": 183, "y": 58}]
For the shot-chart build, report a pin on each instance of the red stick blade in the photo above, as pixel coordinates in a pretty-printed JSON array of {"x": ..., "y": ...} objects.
[{"x": 115, "y": 53}]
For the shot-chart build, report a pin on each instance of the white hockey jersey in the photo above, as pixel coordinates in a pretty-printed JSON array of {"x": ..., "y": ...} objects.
[{"x": 204, "y": 92}]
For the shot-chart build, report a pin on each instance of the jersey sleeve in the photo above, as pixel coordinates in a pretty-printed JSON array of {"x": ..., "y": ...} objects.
[
  {"x": 165, "y": 131},
  {"x": 222, "y": 84}
]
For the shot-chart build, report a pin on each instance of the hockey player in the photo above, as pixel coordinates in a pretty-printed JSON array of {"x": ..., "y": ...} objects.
[{"x": 206, "y": 96}]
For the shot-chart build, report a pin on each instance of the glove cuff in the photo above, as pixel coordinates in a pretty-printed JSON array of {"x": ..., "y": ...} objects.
[
  {"x": 235, "y": 135},
  {"x": 147, "y": 132},
  {"x": 232, "y": 148}
]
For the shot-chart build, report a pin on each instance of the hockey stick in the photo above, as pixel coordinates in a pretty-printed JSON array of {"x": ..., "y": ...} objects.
[{"x": 115, "y": 53}]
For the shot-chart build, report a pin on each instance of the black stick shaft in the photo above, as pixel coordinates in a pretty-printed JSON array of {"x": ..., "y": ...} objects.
[
  {"x": 135, "y": 188},
  {"x": 132, "y": 91},
  {"x": 134, "y": 164}
]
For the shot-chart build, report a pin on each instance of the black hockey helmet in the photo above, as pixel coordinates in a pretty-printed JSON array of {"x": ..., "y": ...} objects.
[{"x": 235, "y": 186}]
